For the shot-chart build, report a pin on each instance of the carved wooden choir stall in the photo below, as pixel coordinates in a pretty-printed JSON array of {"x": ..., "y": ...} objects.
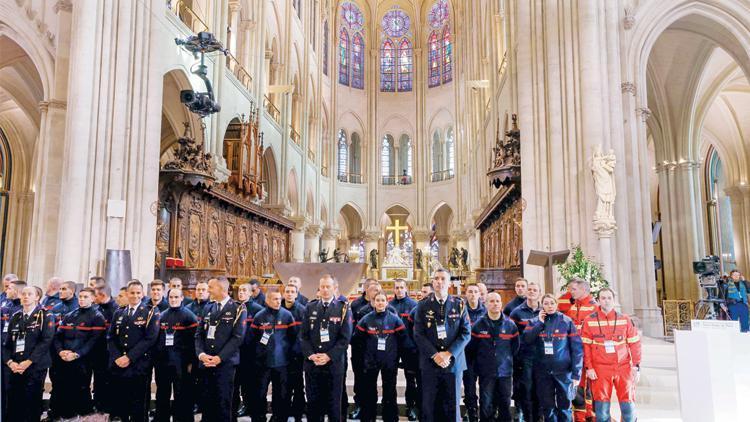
[{"x": 208, "y": 228}]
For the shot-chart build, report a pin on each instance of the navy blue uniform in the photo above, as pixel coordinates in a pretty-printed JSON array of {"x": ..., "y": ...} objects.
[
  {"x": 275, "y": 332},
  {"x": 246, "y": 377},
  {"x": 162, "y": 306},
  {"x": 441, "y": 387},
  {"x": 302, "y": 299},
  {"x": 102, "y": 379},
  {"x": 296, "y": 389},
  {"x": 221, "y": 335},
  {"x": 199, "y": 308},
  {"x": 260, "y": 299},
  {"x": 513, "y": 304},
  {"x": 492, "y": 348},
  {"x": 558, "y": 354},
  {"x": 471, "y": 398},
  {"x": 381, "y": 334},
  {"x": 409, "y": 359},
  {"x": 325, "y": 329},
  {"x": 29, "y": 338},
  {"x": 133, "y": 335},
  {"x": 10, "y": 307},
  {"x": 174, "y": 352},
  {"x": 79, "y": 331},
  {"x": 64, "y": 306},
  {"x": 524, "y": 393},
  {"x": 49, "y": 302}
]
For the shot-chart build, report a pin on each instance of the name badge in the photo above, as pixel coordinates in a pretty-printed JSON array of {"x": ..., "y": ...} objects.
[
  {"x": 609, "y": 346},
  {"x": 20, "y": 345},
  {"x": 442, "y": 334},
  {"x": 5, "y": 327},
  {"x": 549, "y": 348},
  {"x": 169, "y": 339},
  {"x": 211, "y": 335},
  {"x": 324, "y": 337},
  {"x": 265, "y": 338},
  {"x": 381, "y": 344}
]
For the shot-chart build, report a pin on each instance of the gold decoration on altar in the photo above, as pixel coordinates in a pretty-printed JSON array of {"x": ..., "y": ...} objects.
[{"x": 397, "y": 229}]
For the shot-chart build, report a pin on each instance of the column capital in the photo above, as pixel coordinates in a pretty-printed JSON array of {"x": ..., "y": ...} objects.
[
  {"x": 313, "y": 231},
  {"x": 371, "y": 235},
  {"x": 300, "y": 223},
  {"x": 63, "y": 6},
  {"x": 331, "y": 233},
  {"x": 420, "y": 234},
  {"x": 52, "y": 103}
]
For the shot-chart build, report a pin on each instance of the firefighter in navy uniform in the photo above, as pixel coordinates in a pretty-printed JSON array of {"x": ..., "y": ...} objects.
[
  {"x": 360, "y": 308},
  {"x": 520, "y": 286},
  {"x": 106, "y": 306},
  {"x": 199, "y": 306},
  {"x": 409, "y": 359},
  {"x": 173, "y": 356},
  {"x": 275, "y": 332},
  {"x": 558, "y": 354},
  {"x": 68, "y": 301},
  {"x": 246, "y": 376},
  {"x": 494, "y": 343},
  {"x": 476, "y": 310},
  {"x": 297, "y": 282},
  {"x": 73, "y": 347},
  {"x": 130, "y": 342},
  {"x": 217, "y": 345},
  {"x": 11, "y": 303},
  {"x": 325, "y": 335},
  {"x": 296, "y": 389},
  {"x": 524, "y": 393},
  {"x": 26, "y": 355},
  {"x": 441, "y": 331},
  {"x": 382, "y": 333}
]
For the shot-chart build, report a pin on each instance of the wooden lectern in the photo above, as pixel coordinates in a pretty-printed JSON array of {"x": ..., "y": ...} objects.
[{"x": 547, "y": 260}]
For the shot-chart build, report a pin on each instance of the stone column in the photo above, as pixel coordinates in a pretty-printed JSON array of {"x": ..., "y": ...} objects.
[
  {"x": 297, "y": 249},
  {"x": 330, "y": 235},
  {"x": 739, "y": 197},
  {"x": 475, "y": 250},
  {"x": 444, "y": 252},
  {"x": 371, "y": 238},
  {"x": 20, "y": 211},
  {"x": 312, "y": 242}
]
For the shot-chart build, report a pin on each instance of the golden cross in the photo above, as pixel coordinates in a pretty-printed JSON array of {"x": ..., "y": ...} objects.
[{"x": 397, "y": 229}]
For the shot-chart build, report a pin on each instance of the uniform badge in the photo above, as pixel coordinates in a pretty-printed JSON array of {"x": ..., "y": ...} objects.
[
  {"x": 228, "y": 314},
  {"x": 430, "y": 312},
  {"x": 315, "y": 313},
  {"x": 557, "y": 331}
]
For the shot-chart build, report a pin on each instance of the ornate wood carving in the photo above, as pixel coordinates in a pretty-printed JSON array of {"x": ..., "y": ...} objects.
[{"x": 501, "y": 239}]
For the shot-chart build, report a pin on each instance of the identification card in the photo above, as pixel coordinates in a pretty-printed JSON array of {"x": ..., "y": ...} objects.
[
  {"x": 442, "y": 335},
  {"x": 265, "y": 338},
  {"x": 381, "y": 344},
  {"x": 609, "y": 346},
  {"x": 324, "y": 337},
  {"x": 20, "y": 345},
  {"x": 548, "y": 348},
  {"x": 211, "y": 335},
  {"x": 169, "y": 339},
  {"x": 5, "y": 327}
]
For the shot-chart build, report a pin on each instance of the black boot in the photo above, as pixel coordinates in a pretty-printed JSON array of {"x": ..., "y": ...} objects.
[
  {"x": 473, "y": 415},
  {"x": 412, "y": 414},
  {"x": 242, "y": 411},
  {"x": 355, "y": 413}
]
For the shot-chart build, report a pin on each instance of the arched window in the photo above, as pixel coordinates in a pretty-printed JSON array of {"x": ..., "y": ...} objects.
[
  {"x": 719, "y": 211},
  {"x": 440, "y": 56},
  {"x": 325, "y": 48},
  {"x": 450, "y": 152},
  {"x": 387, "y": 160},
  {"x": 404, "y": 160},
  {"x": 343, "y": 152},
  {"x": 355, "y": 159},
  {"x": 344, "y": 58},
  {"x": 351, "y": 47},
  {"x": 387, "y": 67},
  {"x": 396, "y": 52},
  {"x": 437, "y": 154}
]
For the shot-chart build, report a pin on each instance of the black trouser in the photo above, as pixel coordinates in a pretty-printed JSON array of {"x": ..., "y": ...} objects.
[
  {"x": 25, "y": 394},
  {"x": 218, "y": 387},
  {"x": 440, "y": 394},
  {"x": 323, "y": 388},
  {"x": 130, "y": 403},
  {"x": 246, "y": 382},
  {"x": 280, "y": 399},
  {"x": 527, "y": 398},
  {"x": 72, "y": 389},
  {"x": 411, "y": 373},
  {"x": 470, "y": 391},
  {"x": 173, "y": 378},
  {"x": 555, "y": 392},
  {"x": 358, "y": 369},
  {"x": 296, "y": 389},
  {"x": 102, "y": 388},
  {"x": 370, "y": 394},
  {"x": 494, "y": 394}
]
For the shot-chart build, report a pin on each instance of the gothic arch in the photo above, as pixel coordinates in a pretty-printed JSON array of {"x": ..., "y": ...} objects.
[
  {"x": 174, "y": 113},
  {"x": 270, "y": 177},
  {"x": 292, "y": 191},
  {"x": 353, "y": 218}
]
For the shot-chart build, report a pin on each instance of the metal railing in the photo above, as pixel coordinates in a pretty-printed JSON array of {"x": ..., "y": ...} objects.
[
  {"x": 397, "y": 180},
  {"x": 294, "y": 135},
  {"x": 188, "y": 16},
  {"x": 271, "y": 109},
  {"x": 439, "y": 176},
  {"x": 350, "y": 178},
  {"x": 239, "y": 72}
]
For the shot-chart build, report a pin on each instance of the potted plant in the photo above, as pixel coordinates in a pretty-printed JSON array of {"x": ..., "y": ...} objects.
[{"x": 581, "y": 266}]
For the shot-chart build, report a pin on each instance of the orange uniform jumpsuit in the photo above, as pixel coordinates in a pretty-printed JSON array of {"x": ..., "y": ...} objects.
[{"x": 578, "y": 312}]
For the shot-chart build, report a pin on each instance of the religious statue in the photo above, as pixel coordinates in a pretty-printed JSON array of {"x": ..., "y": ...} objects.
[
  {"x": 373, "y": 259},
  {"x": 323, "y": 255},
  {"x": 602, "y": 169},
  {"x": 418, "y": 258},
  {"x": 337, "y": 255},
  {"x": 464, "y": 259},
  {"x": 453, "y": 260}
]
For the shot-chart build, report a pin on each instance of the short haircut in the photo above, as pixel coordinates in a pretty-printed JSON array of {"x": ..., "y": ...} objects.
[
  {"x": 534, "y": 283},
  {"x": 734, "y": 270},
  {"x": 175, "y": 290},
  {"x": 88, "y": 290},
  {"x": 550, "y": 296},
  {"x": 10, "y": 277},
  {"x": 175, "y": 279},
  {"x": 399, "y": 280},
  {"x": 156, "y": 282},
  {"x": 381, "y": 293},
  {"x": 98, "y": 279},
  {"x": 253, "y": 281},
  {"x": 273, "y": 289},
  {"x": 291, "y": 285},
  {"x": 521, "y": 279},
  {"x": 201, "y": 282},
  {"x": 70, "y": 284},
  {"x": 442, "y": 270},
  {"x": 39, "y": 292},
  {"x": 472, "y": 285},
  {"x": 581, "y": 283},
  {"x": 105, "y": 290},
  {"x": 223, "y": 282},
  {"x": 294, "y": 278},
  {"x": 427, "y": 285},
  {"x": 19, "y": 283},
  {"x": 134, "y": 283},
  {"x": 330, "y": 277},
  {"x": 125, "y": 288},
  {"x": 605, "y": 289}
]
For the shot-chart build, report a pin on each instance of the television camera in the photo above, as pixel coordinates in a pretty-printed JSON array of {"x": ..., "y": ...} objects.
[{"x": 201, "y": 103}]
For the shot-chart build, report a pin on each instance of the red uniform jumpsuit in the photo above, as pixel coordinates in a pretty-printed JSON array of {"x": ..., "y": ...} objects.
[
  {"x": 611, "y": 347},
  {"x": 578, "y": 312}
]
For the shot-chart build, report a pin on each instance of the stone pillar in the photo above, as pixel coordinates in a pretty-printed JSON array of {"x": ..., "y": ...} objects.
[
  {"x": 312, "y": 242},
  {"x": 739, "y": 197},
  {"x": 444, "y": 252},
  {"x": 371, "y": 238},
  {"x": 111, "y": 163},
  {"x": 475, "y": 250},
  {"x": 330, "y": 235},
  {"x": 20, "y": 211},
  {"x": 298, "y": 245}
]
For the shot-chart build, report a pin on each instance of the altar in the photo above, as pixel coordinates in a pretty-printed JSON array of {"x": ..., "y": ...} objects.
[{"x": 397, "y": 263}]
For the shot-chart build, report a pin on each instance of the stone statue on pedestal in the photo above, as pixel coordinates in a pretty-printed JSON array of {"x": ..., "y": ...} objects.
[
  {"x": 464, "y": 259},
  {"x": 453, "y": 259},
  {"x": 602, "y": 169},
  {"x": 373, "y": 259},
  {"x": 418, "y": 258},
  {"x": 323, "y": 255}
]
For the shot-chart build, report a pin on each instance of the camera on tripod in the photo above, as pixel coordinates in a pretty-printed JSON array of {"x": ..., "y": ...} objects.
[
  {"x": 708, "y": 270},
  {"x": 707, "y": 266}
]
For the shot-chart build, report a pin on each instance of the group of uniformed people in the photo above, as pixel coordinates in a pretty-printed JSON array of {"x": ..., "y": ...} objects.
[{"x": 218, "y": 356}]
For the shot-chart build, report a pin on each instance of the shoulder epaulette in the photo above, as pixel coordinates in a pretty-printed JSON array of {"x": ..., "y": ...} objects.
[
  {"x": 344, "y": 309},
  {"x": 150, "y": 315},
  {"x": 239, "y": 314}
]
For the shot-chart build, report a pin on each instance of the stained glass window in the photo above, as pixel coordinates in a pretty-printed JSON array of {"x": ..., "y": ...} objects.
[
  {"x": 386, "y": 159},
  {"x": 396, "y": 23},
  {"x": 404, "y": 156},
  {"x": 358, "y": 62},
  {"x": 344, "y": 58},
  {"x": 438, "y": 15},
  {"x": 404, "y": 65},
  {"x": 325, "y": 48},
  {"x": 447, "y": 56},
  {"x": 434, "y": 60},
  {"x": 343, "y": 154},
  {"x": 387, "y": 67},
  {"x": 352, "y": 16}
]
